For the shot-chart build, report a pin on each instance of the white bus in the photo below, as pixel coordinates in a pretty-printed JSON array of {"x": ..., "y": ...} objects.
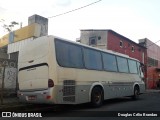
[{"x": 56, "y": 71}]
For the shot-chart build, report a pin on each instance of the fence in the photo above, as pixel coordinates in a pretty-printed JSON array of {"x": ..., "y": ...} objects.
[{"x": 8, "y": 80}]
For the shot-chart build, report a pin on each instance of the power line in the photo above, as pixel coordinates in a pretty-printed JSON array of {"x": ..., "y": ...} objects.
[
  {"x": 75, "y": 9},
  {"x": 152, "y": 43}
]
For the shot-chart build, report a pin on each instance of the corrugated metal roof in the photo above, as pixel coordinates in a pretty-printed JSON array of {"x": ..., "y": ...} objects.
[{"x": 15, "y": 47}]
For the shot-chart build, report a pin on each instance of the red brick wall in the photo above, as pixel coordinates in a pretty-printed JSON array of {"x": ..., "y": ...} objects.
[
  {"x": 153, "y": 75},
  {"x": 113, "y": 43}
]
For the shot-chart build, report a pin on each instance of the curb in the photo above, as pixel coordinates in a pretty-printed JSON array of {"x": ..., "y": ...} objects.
[{"x": 152, "y": 91}]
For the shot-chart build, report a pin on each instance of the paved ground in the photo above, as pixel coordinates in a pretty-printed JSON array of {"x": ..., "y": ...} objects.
[
  {"x": 11, "y": 104},
  {"x": 148, "y": 102}
]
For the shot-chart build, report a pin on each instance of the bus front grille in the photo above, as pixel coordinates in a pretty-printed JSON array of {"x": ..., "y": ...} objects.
[{"x": 69, "y": 90}]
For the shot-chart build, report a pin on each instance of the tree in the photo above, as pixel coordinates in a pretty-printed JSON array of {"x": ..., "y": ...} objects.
[{"x": 10, "y": 26}]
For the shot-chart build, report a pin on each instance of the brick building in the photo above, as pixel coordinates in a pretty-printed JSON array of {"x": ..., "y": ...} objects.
[
  {"x": 109, "y": 39},
  {"x": 153, "y": 62}
]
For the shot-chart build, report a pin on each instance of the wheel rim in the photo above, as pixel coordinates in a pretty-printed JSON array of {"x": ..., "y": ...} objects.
[
  {"x": 136, "y": 93},
  {"x": 97, "y": 97}
]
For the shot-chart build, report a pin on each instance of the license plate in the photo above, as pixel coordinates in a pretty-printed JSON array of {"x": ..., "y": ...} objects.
[{"x": 31, "y": 97}]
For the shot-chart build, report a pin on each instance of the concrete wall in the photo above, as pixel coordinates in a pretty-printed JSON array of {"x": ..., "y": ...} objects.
[
  {"x": 9, "y": 75},
  {"x": 37, "y": 27},
  {"x": 4, "y": 40},
  {"x": 99, "y": 35},
  {"x": 3, "y": 55},
  {"x": 43, "y": 22}
]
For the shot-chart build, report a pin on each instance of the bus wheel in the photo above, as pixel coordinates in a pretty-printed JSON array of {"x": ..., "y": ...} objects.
[
  {"x": 136, "y": 93},
  {"x": 97, "y": 97}
]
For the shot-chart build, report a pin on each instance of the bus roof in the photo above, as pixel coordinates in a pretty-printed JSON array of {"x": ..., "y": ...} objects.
[{"x": 108, "y": 51}]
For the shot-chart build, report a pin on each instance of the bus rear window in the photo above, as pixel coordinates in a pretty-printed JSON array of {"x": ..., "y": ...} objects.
[{"x": 68, "y": 55}]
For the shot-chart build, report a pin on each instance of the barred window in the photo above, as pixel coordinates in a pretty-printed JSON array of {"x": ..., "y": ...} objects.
[{"x": 152, "y": 62}]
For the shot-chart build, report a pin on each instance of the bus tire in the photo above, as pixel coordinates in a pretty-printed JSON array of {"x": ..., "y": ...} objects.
[
  {"x": 97, "y": 97},
  {"x": 136, "y": 93}
]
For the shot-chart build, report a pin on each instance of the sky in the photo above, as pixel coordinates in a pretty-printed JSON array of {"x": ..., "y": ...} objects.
[{"x": 134, "y": 19}]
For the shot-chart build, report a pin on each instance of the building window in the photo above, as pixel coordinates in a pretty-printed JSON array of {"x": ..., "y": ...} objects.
[
  {"x": 99, "y": 37},
  {"x": 152, "y": 62},
  {"x": 92, "y": 41},
  {"x": 133, "y": 49},
  {"x": 121, "y": 44}
]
